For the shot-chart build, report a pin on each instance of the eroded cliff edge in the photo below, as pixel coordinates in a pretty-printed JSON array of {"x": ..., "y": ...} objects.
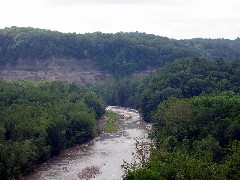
[{"x": 70, "y": 70}]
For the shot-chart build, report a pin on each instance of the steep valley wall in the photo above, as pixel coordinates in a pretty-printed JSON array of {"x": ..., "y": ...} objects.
[{"x": 70, "y": 70}]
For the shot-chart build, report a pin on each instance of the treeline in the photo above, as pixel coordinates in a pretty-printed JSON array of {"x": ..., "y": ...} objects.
[
  {"x": 120, "y": 53},
  {"x": 38, "y": 120},
  {"x": 183, "y": 78}
]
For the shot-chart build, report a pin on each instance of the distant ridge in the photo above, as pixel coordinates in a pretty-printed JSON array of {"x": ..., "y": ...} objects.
[{"x": 119, "y": 53}]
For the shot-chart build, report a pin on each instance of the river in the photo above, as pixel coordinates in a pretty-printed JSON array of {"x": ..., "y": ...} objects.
[{"x": 99, "y": 159}]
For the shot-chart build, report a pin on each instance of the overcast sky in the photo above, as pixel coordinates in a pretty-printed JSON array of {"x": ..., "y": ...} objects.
[{"x": 179, "y": 19}]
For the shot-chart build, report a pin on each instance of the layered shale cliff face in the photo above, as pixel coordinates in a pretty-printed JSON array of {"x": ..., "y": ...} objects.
[{"x": 70, "y": 70}]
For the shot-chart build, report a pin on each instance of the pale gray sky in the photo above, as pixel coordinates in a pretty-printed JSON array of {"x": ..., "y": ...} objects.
[{"x": 178, "y": 19}]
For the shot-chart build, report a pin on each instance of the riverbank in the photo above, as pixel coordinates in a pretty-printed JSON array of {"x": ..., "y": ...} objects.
[
  {"x": 108, "y": 123},
  {"x": 102, "y": 156}
]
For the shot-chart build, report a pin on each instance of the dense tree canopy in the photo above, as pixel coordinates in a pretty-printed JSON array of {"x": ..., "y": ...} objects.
[
  {"x": 38, "y": 120},
  {"x": 182, "y": 78},
  {"x": 120, "y": 53},
  {"x": 197, "y": 138},
  {"x": 194, "y": 106},
  {"x": 193, "y": 101}
]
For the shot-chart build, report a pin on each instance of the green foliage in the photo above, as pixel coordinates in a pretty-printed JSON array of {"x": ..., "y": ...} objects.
[
  {"x": 188, "y": 78},
  {"x": 173, "y": 114},
  {"x": 195, "y": 138},
  {"x": 120, "y": 91},
  {"x": 110, "y": 125},
  {"x": 142, "y": 174},
  {"x": 120, "y": 53},
  {"x": 194, "y": 107},
  {"x": 141, "y": 156},
  {"x": 183, "y": 78},
  {"x": 180, "y": 165},
  {"x": 38, "y": 120},
  {"x": 111, "y": 116}
]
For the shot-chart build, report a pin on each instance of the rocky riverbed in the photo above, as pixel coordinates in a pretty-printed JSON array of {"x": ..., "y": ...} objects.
[{"x": 100, "y": 158}]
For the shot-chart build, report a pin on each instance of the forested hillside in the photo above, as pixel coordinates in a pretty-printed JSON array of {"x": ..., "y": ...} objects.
[
  {"x": 120, "y": 53},
  {"x": 38, "y": 120},
  {"x": 194, "y": 107},
  {"x": 197, "y": 138},
  {"x": 192, "y": 100},
  {"x": 182, "y": 78}
]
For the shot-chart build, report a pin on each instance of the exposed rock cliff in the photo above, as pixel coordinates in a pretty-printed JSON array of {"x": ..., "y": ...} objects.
[{"x": 69, "y": 70}]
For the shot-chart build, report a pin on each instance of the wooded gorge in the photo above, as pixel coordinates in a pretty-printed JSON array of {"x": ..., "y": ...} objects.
[
  {"x": 197, "y": 138},
  {"x": 38, "y": 120},
  {"x": 192, "y": 100},
  {"x": 184, "y": 78},
  {"x": 194, "y": 107}
]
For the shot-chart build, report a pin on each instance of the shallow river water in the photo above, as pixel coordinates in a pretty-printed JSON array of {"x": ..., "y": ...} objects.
[{"x": 102, "y": 157}]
